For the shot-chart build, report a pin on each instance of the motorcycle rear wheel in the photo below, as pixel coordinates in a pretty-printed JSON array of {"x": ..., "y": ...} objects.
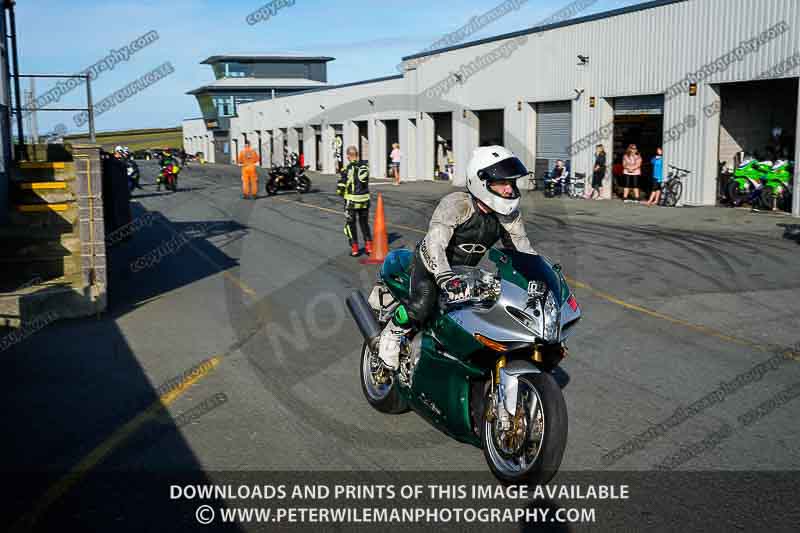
[
  {"x": 272, "y": 188},
  {"x": 546, "y": 425},
  {"x": 386, "y": 397},
  {"x": 735, "y": 195}
]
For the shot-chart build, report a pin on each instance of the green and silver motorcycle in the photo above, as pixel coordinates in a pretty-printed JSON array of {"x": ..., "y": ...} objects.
[
  {"x": 480, "y": 370},
  {"x": 762, "y": 183},
  {"x": 747, "y": 181},
  {"x": 777, "y": 190}
]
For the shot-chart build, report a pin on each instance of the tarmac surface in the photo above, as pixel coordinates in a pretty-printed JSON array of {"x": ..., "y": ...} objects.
[{"x": 239, "y": 329}]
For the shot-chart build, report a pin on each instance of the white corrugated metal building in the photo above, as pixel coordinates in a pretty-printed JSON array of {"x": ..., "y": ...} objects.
[{"x": 531, "y": 91}]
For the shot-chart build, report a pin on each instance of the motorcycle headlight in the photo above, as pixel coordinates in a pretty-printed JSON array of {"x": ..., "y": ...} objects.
[{"x": 551, "y": 318}]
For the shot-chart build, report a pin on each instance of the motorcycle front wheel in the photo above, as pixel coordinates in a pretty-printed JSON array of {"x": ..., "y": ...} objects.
[
  {"x": 303, "y": 184},
  {"x": 272, "y": 187},
  {"x": 379, "y": 386},
  {"x": 530, "y": 452}
]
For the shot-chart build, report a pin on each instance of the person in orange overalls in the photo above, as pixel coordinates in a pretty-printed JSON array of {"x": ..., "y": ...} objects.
[{"x": 248, "y": 159}]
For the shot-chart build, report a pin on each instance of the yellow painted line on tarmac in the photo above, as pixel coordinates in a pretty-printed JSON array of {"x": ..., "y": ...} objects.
[
  {"x": 612, "y": 299},
  {"x": 233, "y": 279},
  {"x": 96, "y": 456},
  {"x": 341, "y": 212},
  {"x": 239, "y": 283}
]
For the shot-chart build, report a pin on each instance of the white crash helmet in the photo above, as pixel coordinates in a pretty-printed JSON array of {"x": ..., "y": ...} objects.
[
  {"x": 118, "y": 148},
  {"x": 494, "y": 163}
]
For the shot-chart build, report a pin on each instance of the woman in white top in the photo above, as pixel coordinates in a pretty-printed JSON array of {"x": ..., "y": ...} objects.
[{"x": 395, "y": 155}]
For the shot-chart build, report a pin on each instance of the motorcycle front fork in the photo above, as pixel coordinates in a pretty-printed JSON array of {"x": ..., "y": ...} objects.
[{"x": 504, "y": 394}]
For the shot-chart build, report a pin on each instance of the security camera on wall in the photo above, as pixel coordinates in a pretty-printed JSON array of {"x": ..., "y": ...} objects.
[{"x": 578, "y": 93}]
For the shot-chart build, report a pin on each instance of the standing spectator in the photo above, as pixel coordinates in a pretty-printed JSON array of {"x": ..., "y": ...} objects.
[
  {"x": 353, "y": 185},
  {"x": 658, "y": 176},
  {"x": 248, "y": 159},
  {"x": 632, "y": 171},
  {"x": 441, "y": 160},
  {"x": 450, "y": 163},
  {"x": 395, "y": 156},
  {"x": 599, "y": 171}
]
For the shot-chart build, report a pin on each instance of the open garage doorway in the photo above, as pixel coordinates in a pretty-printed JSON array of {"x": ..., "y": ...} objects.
[
  {"x": 318, "y": 144},
  {"x": 443, "y": 162},
  {"x": 638, "y": 120},
  {"x": 758, "y": 119},
  {"x": 284, "y": 145},
  {"x": 300, "y": 152},
  {"x": 490, "y": 127},
  {"x": 363, "y": 139},
  {"x": 338, "y": 147},
  {"x": 392, "y": 137},
  {"x": 271, "y": 144}
]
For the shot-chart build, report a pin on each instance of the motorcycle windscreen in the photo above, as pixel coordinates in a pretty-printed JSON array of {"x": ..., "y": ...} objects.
[{"x": 539, "y": 268}]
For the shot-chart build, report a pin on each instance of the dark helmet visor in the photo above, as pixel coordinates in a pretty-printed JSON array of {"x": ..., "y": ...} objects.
[{"x": 507, "y": 169}]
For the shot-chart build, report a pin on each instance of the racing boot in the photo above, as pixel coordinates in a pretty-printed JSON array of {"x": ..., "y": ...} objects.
[
  {"x": 389, "y": 345},
  {"x": 354, "y": 251},
  {"x": 368, "y": 247}
]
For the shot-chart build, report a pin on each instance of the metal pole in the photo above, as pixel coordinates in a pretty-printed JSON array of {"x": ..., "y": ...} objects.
[
  {"x": 27, "y": 97},
  {"x": 34, "y": 122},
  {"x": 17, "y": 93},
  {"x": 90, "y": 107}
]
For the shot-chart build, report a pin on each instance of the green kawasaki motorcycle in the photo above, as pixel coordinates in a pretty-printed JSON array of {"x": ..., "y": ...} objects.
[
  {"x": 777, "y": 190},
  {"x": 480, "y": 370},
  {"x": 746, "y": 182},
  {"x": 762, "y": 183}
]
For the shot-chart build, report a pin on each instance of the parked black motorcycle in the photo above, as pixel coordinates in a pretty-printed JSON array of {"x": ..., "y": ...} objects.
[{"x": 288, "y": 178}]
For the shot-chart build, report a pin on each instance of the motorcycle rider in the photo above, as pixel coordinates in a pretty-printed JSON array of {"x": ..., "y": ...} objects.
[
  {"x": 133, "y": 174},
  {"x": 353, "y": 185},
  {"x": 463, "y": 227},
  {"x": 167, "y": 160}
]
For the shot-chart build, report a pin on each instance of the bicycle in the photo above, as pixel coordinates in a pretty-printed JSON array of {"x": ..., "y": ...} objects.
[{"x": 673, "y": 187}]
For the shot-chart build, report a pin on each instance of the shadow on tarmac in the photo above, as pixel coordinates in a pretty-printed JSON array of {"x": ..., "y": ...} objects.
[{"x": 82, "y": 412}]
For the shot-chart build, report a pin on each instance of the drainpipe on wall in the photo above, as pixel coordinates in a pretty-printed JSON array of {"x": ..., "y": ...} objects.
[
  {"x": 796, "y": 193},
  {"x": 9, "y": 6}
]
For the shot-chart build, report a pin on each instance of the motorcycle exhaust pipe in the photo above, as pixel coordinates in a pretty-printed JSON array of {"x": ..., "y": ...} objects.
[{"x": 365, "y": 318}]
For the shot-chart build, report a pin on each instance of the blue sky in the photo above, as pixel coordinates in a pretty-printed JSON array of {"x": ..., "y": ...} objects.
[{"x": 367, "y": 38}]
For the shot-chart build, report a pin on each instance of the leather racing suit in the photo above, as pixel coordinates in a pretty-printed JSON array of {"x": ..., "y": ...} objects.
[{"x": 460, "y": 233}]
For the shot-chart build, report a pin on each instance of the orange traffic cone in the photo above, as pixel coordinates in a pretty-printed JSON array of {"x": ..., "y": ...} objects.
[{"x": 380, "y": 239}]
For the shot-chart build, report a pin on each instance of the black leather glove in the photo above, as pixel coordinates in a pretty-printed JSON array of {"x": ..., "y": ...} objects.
[{"x": 455, "y": 288}]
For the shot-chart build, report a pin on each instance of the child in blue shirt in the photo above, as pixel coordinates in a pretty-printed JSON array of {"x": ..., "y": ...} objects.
[{"x": 658, "y": 173}]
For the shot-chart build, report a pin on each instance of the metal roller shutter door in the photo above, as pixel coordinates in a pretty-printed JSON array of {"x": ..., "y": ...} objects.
[{"x": 553, "y": 130}]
